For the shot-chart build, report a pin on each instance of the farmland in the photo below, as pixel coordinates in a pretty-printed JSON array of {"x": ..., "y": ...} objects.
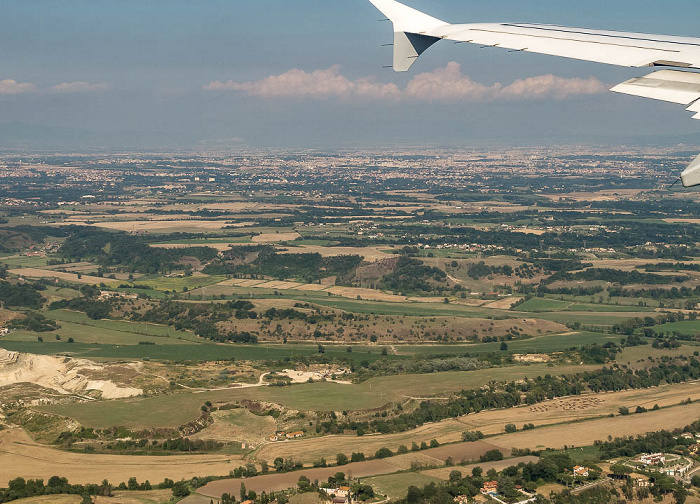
[
  {"x": 177, "y": 409},
  {"x": 192, "y": 312}
]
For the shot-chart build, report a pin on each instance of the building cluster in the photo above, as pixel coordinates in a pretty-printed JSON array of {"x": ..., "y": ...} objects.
[
  {"x": 283, "y": 436},
  {"x": 670, "y": 466},
  {"x": 340, "y": 495}
]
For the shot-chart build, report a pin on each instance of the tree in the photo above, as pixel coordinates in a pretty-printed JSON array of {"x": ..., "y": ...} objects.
[
  {"x": 413, "y": 494},
  {"x": 304, "y": 483},
  {"x": 681, "y": 495},
  {"x": 511, "y": 428},
  {"x": 341, "y": 459},
  {"x": 180, "y": 489},
  {"x": 243, "y": 493},
  {"x": 86, "y": 499},
  {"x": 383, "y": 453},
  {"x": 624, "y": 410},
  {"x": 504, "y": 346},
  {"x": 620, "y": 469}
]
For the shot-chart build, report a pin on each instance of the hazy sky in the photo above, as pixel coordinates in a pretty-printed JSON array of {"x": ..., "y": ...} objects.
[{"x": 183, "y": 73}]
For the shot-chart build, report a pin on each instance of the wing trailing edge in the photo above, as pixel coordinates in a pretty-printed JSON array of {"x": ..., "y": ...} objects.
[{"x": 415, "y": 32}]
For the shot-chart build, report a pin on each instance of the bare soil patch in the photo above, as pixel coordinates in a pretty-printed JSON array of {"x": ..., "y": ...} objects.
[{"x": 62, "y": 374}]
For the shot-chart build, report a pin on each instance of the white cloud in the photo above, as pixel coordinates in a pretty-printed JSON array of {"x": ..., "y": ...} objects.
[
  {"x": 11, "y": 87},
  {"x": 442, "y": 85},
  {"x": 80, "y": 87}
]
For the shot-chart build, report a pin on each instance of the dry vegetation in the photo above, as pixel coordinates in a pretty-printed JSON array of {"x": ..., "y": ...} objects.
[{"x": 21, "y": 456}]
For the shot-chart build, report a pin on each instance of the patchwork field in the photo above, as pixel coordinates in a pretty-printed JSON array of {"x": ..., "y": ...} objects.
[{"x": 174, "y": 410}]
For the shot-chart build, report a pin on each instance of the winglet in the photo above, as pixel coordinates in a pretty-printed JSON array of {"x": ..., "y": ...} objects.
[
  {"x": 412, "y": 30},
  {"x": 691, "y": 175}
]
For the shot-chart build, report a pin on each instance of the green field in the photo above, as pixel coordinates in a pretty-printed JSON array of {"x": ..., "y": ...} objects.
[
  {"x": 395, "y": 485},
  {"x": 137, "y": 328},
  {"x": 178, "y": 284},
  {"x": 686, "y": 327},
  {"x": 172, "y": 351},
  {"x": 539, "y": 344},
  {"x": 543, "y": 305},
  {"x": 579, "y": 454},
  {"x": 24, "y": 262},
  {"x": 590, "y": 307},
  {"x": 174, "y": 410},
  {"x": 90, "y": 335}
]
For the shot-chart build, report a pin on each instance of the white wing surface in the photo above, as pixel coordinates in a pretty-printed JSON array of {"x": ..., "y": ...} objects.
[{"x": 415, "y": 32}]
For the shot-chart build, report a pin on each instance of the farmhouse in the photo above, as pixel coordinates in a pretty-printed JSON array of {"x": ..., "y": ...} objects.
[
  {"x": 581, "y": 471},
  {"x": 293, "y": 435},
  {"x": 461, "y": 499},
  {"x": 114, "y": 294},
  {"x": 340, "y": 495},
  {"x": 490, "y": 488},
  {"x": 4, "y": 331},
  {"x": 273, "y": 438}
]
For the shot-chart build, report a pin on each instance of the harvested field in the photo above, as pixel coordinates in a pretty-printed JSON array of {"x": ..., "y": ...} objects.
[
  {"x": 238, "y": 425},
  {"x": 138, "y": 497},
  {"x": 579, "y": 408},
  {"x": 448, "y": 431},
  {"x": 275, "y": 237},
  {"x": 463, "y": 451},
  {"x": 370, "y": 254},
  {"x": 7, "y": 315},
  {"x": 51, "y": 499},
  {"x": 503, "y": 304},
  {"x": 20, "y": 456},
  {"x": 366, "y": 294},
  {"x": 68, "y": 277},
  {"x": 221, "y": 247},
  {"x": 586, "y": 433}
]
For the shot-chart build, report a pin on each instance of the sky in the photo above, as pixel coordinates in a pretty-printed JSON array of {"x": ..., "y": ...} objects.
[{"x": 191, "y": 74}]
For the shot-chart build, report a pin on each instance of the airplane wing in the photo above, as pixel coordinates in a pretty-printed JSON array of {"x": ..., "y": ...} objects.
[{"x": 415, "y": 32}]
